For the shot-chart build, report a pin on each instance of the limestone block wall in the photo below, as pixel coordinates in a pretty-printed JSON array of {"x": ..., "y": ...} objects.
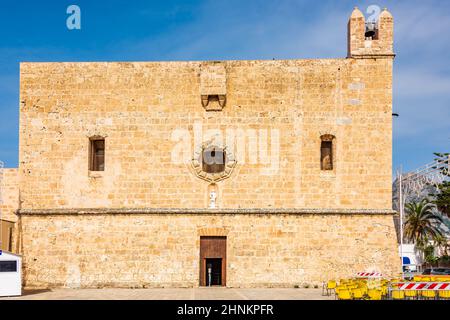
[
  {"x": 156, "y": 116},
  {"x": 147, "y": 110},
  {"x": 10, "y": 194},
  {"x": 156, "y": 250}
]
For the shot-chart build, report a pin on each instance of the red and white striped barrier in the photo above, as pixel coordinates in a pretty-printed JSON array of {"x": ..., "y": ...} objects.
[
  {"x": 369, "y": 275},
  {"x": 421, "y": 286}
]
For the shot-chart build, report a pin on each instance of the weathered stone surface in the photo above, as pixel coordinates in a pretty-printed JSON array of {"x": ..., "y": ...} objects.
[
  {"x": 138, "y": 105},
  {"x": 217, "y": 211},
  {"x": 10, "y": 194},
  {"x": 381, "y": 46},
  {"x": 163, "y": 250},
  {"x": 286, "y": 221}
]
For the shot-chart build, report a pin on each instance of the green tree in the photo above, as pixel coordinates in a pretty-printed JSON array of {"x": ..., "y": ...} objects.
[
  {"x": 421, "y": 223},
  {"x": 429, "y": 255},
  {"x": 442, "y": 242}
]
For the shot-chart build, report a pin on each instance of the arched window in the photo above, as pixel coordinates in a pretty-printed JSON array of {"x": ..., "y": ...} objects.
[{"x": 326, "y": 152}]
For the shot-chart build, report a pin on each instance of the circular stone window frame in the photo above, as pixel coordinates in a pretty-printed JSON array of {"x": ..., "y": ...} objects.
[{"x": 196, "y": 165}]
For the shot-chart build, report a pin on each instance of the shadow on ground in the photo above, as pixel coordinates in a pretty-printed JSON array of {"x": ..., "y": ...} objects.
[{"x": 28, "y": 292}]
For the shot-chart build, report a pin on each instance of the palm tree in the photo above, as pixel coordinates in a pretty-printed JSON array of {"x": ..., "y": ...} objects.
[{"x": 421, "y": 224}]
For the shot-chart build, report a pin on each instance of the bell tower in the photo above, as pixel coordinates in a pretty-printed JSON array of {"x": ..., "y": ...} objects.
[{"x": 370, "y": 39}]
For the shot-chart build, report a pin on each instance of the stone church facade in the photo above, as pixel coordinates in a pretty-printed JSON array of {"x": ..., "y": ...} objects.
[{"x": 181, "y": 174}]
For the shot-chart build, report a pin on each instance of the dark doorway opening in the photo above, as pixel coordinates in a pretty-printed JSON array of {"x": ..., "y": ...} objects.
[
  {"x": 214, "y": 272},
  {"x": 213, "y": 256}
]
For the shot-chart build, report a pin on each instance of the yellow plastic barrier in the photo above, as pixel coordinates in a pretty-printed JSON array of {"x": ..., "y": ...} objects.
[
  {"x": 428, "y": 294},
  {"x": 398, "y": 295},
  {"x": 378, "y": 289},
  {"x": 374, "y": 294},
  {"x": 344, "y": 295},
  {"x": 444, "y": 294},
  {"x": 411, "y": 294},
  {"x": 357, "y": 294}
]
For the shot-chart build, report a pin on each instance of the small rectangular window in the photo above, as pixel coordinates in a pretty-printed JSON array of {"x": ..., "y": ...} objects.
[
  {"x": 8, "y": 266},
  {"x": 97, "y": 155},
  {"x": 326, "y": 155},
  {"x": 10, "y": 239}
]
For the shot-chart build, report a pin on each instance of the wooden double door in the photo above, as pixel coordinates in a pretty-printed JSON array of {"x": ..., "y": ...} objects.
[{"x": 213, "y": 261}]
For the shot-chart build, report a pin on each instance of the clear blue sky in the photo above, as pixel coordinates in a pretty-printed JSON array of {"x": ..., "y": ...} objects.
[{"x": 117, "y": 30}]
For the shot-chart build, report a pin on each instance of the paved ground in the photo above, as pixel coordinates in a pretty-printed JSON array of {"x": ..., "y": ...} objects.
[{"x": 175, "y": 294}]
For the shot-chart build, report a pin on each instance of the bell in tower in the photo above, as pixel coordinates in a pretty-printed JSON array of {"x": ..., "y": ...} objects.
[
  {"x": 371, "y": 30},
  {"x": 370, "y": 38}
]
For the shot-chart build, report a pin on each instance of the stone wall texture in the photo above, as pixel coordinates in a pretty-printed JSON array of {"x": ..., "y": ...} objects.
[
  {"x": 139, "y": 106},
  {"x": 163, "y": 250},
  {"x": 8, "y": 207},
  {"x": 10, "y": 195},
  {"x": 154, "y": 116}
]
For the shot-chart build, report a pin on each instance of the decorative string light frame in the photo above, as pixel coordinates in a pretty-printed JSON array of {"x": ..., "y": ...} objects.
[
  {"x": 413, "y": 184},
  {"x": 432, "y": 174}
]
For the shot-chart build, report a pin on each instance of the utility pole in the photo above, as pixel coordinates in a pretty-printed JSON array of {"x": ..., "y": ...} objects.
[{"x": 400, "y": 180}]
